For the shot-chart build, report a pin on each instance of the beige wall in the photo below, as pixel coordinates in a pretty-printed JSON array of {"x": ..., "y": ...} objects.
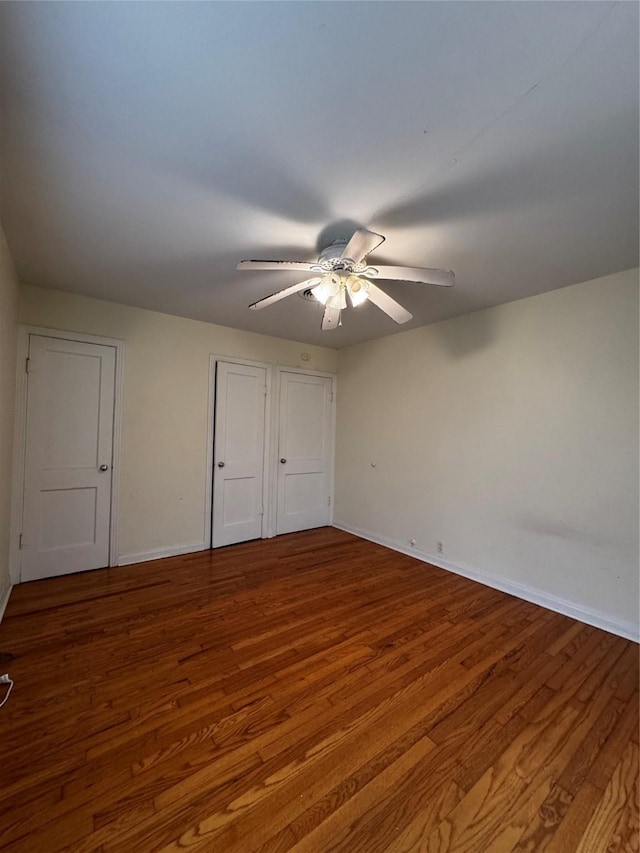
[
  {"x": 8, "y": 327},
  {"x": 511, "y": 436},
  {"x": 165, "y": 407}
]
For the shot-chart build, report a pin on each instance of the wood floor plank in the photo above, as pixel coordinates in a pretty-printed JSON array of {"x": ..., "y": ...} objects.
[
  {"x": 336, "y": 831},
  {"x": 518, "y": 784},
  {"x": 567, "y": 834},
  {"x": 544, "y": 823},
  {"x": 310, "y": 692},
  {"x": 626, "y": 729},
  {"x": 617, "y": 806},
  {"x": 409, "y": 835},
  {"x": 626, "y": 832}
]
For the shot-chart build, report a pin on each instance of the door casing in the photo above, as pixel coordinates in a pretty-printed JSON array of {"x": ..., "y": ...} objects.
[{"x": 19, "y": 443}]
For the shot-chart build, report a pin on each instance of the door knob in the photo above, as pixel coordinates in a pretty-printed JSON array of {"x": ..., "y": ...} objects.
[
  {"x": 282, "y": 461},
  {"x": 103, "y": 468},
  {"x": 220, "y": 464}
]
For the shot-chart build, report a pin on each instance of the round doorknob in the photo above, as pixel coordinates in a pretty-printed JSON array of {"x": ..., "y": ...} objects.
[
  {"x": 220, "y": 464},
  {"x": 103, "y": 468},
  {"x": 282, "y": 461}
]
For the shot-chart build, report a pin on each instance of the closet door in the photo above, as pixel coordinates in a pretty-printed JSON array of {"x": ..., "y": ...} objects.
[
  {"x": 304, "y": 452},
  {"x": 239, "y": 453}
]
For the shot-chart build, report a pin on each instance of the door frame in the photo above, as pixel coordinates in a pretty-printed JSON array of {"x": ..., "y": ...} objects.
[
  {"x": 280, "y": 369},
  {"x": 20, "y": 437},
  {"x": 211, "y": 422}
]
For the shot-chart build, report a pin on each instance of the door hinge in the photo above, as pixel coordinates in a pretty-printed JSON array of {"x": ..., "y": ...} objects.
[
  {"x": 20, "y": 541},
  {"x": 261, "y": 511},
  {"x": 331, "y": 396},
  {"x": 329, "y": 501},
  {"x": 26, "y": 364},
  {"x": 264, "y": 390}
]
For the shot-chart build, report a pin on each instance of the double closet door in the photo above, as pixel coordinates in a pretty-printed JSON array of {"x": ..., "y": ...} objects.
[{"x": 272, "y": 463}]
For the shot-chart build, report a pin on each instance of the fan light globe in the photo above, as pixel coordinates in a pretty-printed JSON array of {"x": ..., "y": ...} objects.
[
  {"x": 358, "y": 290},
  {"x": 329, "y": 287},
  {"x": 338, "y": 300}
]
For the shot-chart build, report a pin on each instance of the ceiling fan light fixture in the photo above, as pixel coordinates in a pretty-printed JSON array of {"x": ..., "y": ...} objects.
[
  {"x": 328, "y": 286},
  {"x": 338, "y": 300},
  {"x": 358, "y": 290}
]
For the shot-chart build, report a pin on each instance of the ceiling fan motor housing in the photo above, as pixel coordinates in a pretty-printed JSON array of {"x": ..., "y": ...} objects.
[
  {"x": 331, "y": 259},
  {"x": 333, "y": 251}
]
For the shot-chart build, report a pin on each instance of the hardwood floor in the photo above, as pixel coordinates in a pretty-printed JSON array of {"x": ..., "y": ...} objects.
[{"x": 313, "y": 692}]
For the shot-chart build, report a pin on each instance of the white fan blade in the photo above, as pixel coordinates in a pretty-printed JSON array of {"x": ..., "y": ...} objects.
[
  {"x": 442, "y": 278},
  {"x": 361, "y": 244},
  {"x": 330, "y": 318},
  {"x": 278, "y": 265},
  {"x": 288, "y": 291},
  {"x": 387, "y": 304}
]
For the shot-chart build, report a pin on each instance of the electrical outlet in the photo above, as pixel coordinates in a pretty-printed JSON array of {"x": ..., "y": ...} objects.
[{"x": 440, "y": 547}]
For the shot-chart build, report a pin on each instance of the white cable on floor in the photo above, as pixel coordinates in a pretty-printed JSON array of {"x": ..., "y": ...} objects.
[{"x": 4, "y": 679}]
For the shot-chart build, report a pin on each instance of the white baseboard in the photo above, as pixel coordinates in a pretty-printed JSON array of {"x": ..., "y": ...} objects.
[
  {"x": 620, "y": 627},
  {"x": 4, "y": 600},
  {"x": 159, "y": 553}
]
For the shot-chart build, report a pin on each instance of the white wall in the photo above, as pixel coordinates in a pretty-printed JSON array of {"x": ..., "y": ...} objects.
[
  {"x": 165, "y": 407},
  {"x": 8, "y": 327},
  {"x": 511, "y": 436}
]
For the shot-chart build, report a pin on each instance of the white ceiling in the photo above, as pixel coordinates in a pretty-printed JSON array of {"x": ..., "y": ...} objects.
[{"x": 150, "y": 146}]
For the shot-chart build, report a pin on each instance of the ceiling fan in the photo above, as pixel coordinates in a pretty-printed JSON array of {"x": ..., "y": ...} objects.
[{"x": 340, "y": 270}]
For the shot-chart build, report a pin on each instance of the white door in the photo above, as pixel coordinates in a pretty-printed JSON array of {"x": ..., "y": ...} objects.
[
  {"x": 304, "y": 451},
  {"x": 69, "y": 442},
  {"x": 239, "y": 453}
]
